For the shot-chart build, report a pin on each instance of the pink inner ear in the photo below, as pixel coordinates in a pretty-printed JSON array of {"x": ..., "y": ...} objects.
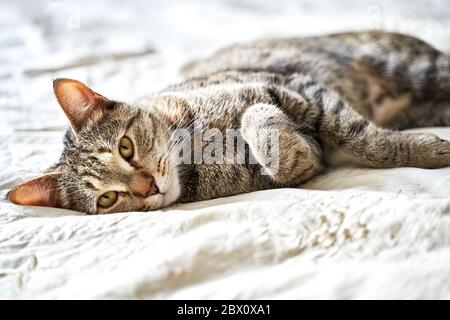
[
  {"x": 42, "y": 191},
  {"x": 78, "y": 102}
]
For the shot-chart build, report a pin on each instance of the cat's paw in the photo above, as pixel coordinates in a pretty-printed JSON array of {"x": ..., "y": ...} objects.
[
  {"x": 443, "y": 149},
  {"x": 434, "y": 151},
  {"x": 259, "y": 122}
]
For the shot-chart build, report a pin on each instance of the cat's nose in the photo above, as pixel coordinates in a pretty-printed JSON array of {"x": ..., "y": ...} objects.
[{"x": 143, "y": 185}]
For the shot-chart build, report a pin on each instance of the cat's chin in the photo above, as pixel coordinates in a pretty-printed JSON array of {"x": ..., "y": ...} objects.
[{"x": 171, "y": 191}]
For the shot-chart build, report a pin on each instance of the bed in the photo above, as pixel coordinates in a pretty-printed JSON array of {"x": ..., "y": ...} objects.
[{"x": 351, "y": 233}]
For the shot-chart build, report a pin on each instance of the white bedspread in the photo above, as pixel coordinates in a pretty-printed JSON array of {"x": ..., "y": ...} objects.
[{"x": 351, "y": 233}]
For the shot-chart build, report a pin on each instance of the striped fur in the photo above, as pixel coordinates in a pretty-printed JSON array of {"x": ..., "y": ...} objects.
[{"x": 344, "y": 91}]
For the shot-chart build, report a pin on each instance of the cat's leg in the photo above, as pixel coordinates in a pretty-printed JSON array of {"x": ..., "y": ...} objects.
[
  {"x": 417, "y": 77},
  {"x": 298, "y": 157},
  {"x": 413, "y": 94},
  {"x": 373, "y": 146},
  {"x": 427, "y": 79},
  {"x": 426, "y": 102},
  {"x": 381, "y": 148},
  {"x": 339, "y": 125}
]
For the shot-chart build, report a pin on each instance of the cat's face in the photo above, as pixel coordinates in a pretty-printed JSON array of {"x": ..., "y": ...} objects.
[{"x": 116, "y": 158}]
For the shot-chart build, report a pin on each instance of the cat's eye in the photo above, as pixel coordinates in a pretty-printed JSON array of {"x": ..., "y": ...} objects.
[
  {"x": 107, "y": 199},
  {"x": 126, "y": 148}
]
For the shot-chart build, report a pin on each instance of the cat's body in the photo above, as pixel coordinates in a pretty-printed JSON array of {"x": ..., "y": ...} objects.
[
  {"x": 319, "y": 94},
  {"x": 367, "y": 69}
]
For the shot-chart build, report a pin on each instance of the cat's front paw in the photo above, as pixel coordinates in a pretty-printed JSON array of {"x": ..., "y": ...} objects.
[
  {"x": 434, "y": 151},
  {"x": 443, "y": 149}
]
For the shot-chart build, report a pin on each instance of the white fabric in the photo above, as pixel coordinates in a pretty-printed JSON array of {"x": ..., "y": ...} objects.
[{"x": 351, "y": 233}]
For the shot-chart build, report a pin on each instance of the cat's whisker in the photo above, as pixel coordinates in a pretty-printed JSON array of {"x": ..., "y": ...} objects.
[
  {"x": 180, "y": 140},
  {"x": 176, "y": 148}
]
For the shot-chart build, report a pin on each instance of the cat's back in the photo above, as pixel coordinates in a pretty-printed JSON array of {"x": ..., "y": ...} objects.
[{"x": 288, "y": 55}]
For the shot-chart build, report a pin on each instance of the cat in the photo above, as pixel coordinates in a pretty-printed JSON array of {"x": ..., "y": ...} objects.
[{"x": 351, "y": 92}]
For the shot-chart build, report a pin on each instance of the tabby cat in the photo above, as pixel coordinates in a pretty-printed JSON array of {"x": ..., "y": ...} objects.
[{"x": 349, "y": 92}]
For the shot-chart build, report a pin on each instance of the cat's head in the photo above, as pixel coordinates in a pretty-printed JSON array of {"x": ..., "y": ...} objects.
[{"x": 116, "y": 158}]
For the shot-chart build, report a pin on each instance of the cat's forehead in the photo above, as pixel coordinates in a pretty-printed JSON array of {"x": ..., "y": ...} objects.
[
  {"x": 89, "y": 151},
  {"x": 112, "y": 123},
  {"x": 116, "y": 118}
]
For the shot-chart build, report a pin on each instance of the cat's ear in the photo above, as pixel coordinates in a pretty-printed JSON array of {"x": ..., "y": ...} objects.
[
  {"x": 41, "y": 191},
  {"x": 78, "y": 102}
]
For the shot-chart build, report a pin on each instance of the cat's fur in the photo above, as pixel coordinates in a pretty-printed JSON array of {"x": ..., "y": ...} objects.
[{"x": 342, "y": 91}]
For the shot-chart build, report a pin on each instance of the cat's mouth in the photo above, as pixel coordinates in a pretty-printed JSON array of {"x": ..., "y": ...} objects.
[
  {"x": 157, "y": 193},
  {"x": 159, "y": 190}
]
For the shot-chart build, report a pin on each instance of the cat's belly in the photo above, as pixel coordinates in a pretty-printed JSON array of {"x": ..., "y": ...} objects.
[{"x": 369, "y": 94}]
